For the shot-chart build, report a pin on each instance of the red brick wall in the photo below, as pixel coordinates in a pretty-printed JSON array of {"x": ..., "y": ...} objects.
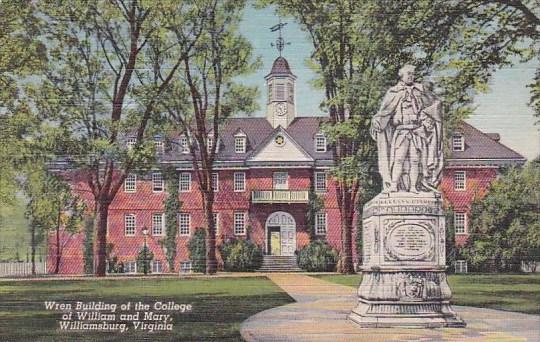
[{"x": 477, "y": 183}]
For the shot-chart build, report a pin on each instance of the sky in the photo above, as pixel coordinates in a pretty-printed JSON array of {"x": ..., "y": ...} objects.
[{"x": 502, "y": 110}]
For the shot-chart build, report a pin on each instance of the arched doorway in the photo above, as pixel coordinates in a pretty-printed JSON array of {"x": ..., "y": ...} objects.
[{"x": 280, "y": 232}]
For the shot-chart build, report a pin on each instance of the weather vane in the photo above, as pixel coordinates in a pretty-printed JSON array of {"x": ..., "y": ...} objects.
[{"x": 280, "y": 42}]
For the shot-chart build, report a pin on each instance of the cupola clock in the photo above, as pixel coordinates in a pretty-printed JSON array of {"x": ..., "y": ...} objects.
[{"x": 281, "y": 108}]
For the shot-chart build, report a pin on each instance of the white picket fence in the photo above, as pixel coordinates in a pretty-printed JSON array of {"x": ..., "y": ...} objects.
[{"x": 13, "y": 268}]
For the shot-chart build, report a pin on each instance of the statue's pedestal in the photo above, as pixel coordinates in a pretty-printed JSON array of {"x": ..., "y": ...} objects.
[{"x": 404, "y": 281}]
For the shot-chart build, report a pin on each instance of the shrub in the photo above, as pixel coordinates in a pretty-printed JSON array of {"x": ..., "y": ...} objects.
[
  {"x": 318, "y": 256},
  {"x": 241, "y": 256},
  {"x": 144, "y": 259},
  {"x": 197, "y": 250}
]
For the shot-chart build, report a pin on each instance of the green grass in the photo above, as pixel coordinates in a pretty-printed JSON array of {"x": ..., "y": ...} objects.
[
  {"x": 14, "y": 234},
  {"x": 219, "y": 307},
  {"x": 511, "y": 292}
]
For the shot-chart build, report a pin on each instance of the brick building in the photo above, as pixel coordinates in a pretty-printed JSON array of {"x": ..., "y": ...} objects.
[{"x": 264, "y": 169}]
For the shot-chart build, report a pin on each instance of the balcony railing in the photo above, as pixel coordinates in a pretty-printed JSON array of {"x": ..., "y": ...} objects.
[{"x": 279, "y": 196}]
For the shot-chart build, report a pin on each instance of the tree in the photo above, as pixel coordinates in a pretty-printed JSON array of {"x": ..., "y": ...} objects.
[
  {"x": 208, "y": 82},
  {"x": 172, "y": 207},
  {"x": 110, "y": 62},
  {"x": 315, "y": 204},
  {"x": 197, "y": 250},
  {"x": 51, "y": 207},
  {"x": 505, "y": 225},
  {"x": 88, "y": 256}
]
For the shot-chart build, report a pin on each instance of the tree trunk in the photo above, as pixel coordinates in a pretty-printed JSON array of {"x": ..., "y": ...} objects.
[
  {"x": 211, "y": 262},
  {"x": 346, "y": 260},
  {"x": 58, "y": 251},
  {"x": 33, "y": 248},
  {"x": 101, "y": 237}
]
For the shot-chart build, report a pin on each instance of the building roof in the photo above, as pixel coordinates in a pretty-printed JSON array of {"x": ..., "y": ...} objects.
[
  {"x": 280, "y": 67},
  {"x": 483, "y": 148}
]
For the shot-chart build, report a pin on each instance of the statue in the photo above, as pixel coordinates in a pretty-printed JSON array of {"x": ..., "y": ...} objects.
[{"x": 408, "y": 131}]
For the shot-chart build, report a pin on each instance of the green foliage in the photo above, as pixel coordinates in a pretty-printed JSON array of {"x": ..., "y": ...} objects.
[
  {"x": 88, "y": 256},
  {"x": 144, "y": 260},
  {"x": 315, "y": 204},
  {"x": 505, "y": 227},
  {"x": 172, "y": 207},
  {"x": 452, "y": 251},
  {"x": 318, "y": 256},
  {"x": 113, "y": 266},
  {"x": 241, "y": 256},
  {"x": 197, "y": 250}
]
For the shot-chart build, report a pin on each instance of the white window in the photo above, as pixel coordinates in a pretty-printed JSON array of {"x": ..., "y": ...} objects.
[
  {"x": 215, "y": 218},
  {"x": 320, "y": 181},
  {"x": 130, "y": 223},
  {"x": 157, "y": 182},
  {"x": 130, "y": 267},
  {"x": 458, "y": 142},
  {"x": 320, "y": 143},
  {"x": 185, "y": 182},
  {"x": 184, "y": 146},
  {"x": 157, "y": 266},
  {"x": 460, "y": 180},
  {"x": 460, "y": 223},
  {"x": 158, "y": 145},
  {"x": 240, "y": 144},
  {"x": 131, "y": 142},
  {"x": 210, "y": 143},
  {"x": 239, "y": 223},
  {"x": 183, "y": 224},
  {"x": 460, "y": 266},
  {"x": 239, "y": 181},
  {"x": 280, "y": 92},
  {"x": 281, "y": 180},
  {"x": 320, "y": 223},
  {"x": 185, "y": 267},
  {"x": 215, "y": 181},
  {"x": 157, "y": 224},
  {"x": 130, "y": 184}
]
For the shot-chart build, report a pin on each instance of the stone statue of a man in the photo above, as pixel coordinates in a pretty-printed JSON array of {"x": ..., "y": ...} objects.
[{"x": 408, "y": 131}]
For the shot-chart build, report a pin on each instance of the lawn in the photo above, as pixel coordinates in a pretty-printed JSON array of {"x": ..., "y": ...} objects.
[
  {"x": 218, "y": 307},
  {"x": 511, "y": 292}
]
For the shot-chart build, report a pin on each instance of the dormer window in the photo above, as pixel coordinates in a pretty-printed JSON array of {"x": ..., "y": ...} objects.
[
  {"x": 131, "y": 142},
  {"x": 158, "y": 145},
  {"x": 320, "y": 143},
  {"x": 240, "y": 143},
  {"x": 458, "y": 142},
  {"x": 184, "y": 146}
]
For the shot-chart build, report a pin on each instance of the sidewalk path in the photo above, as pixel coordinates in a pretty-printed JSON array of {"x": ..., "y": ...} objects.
[{"x": 321, "y": 310}]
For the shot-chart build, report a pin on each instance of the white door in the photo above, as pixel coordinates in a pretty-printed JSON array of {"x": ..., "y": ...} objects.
[{"x": 288, "y": 240}]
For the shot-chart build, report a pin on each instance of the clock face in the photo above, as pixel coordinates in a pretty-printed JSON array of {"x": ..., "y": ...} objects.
[{"x": 281, "y": 108}]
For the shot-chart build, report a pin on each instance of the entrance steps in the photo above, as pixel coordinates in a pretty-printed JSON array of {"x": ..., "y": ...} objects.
[{"x": 278, "y": 263}]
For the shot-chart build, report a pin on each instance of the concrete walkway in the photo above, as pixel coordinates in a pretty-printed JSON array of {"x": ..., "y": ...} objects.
[{"x": 321, "y": 310}]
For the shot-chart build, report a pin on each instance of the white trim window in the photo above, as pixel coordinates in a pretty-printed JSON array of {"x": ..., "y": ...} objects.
[
  {"x": 184, "y": 183},
  {"x": 458, "y": 142},
  {"x": 280, "y": 180},
  {"x": 158, "y": 145},
  {"x": 130, "y": 267},
  {"x": 215, "y": 181},
  {"x": 131, "y": 142},
  {"x": 185, "y": 266},
  {"x": 320, "y": 223},
  {"x": 320, "y": 143},
  {"x": 184, "y": 223},
  {"x": 320, "y": 181},
  {"x": 209, "y": 143},
  {"x": 130, "y": 183},
  {"x": 157, "y": 182},
  {"x": 215, "y": 218},
  {"x": 239, "y": 181},
  {"x": 184, "y": 145},
  {"x": 156, "y": 266},
  {"x": 157, "y": 224},
  {"x": 460, "y": 180},
  {"x": 460, "y": 223},
  {"x": 240, "y": 144},
  {"x": 239, "y": 223},
  {"x": 130, "y": 224},
  {"x": 460, "y": 266}
]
